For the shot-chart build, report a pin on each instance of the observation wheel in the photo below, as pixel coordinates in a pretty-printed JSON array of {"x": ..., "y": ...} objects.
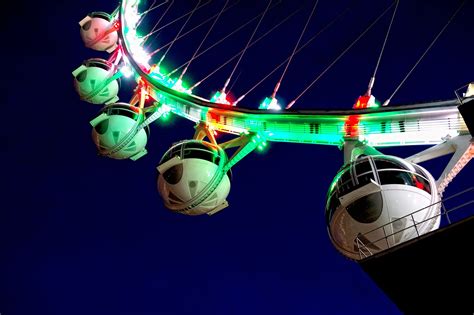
[{"x": 194, "y": 175}]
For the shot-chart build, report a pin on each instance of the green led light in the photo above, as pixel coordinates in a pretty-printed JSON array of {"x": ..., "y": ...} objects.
[
  {"x": 266, "y": 102},
  {"x": 216, "y": 96},
  {"x": 180, "y": 86},
  {"x": 220, "y": 98},
  {"x": 165, "y": 118},
  {"x": 270, "y": 103}
]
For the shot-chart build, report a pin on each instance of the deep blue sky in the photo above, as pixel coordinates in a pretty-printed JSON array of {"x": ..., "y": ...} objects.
[{"x": 81, "y": 234}]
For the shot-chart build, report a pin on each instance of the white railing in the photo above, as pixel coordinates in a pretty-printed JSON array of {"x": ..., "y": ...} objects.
[{"x": 366, "y": 249}]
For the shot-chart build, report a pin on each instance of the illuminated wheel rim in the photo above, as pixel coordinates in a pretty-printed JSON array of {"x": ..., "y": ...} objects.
[{"x": 426, "y": 123}]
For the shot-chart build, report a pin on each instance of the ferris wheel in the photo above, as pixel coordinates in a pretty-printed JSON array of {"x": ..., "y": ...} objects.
[{"x": 375, "y": 201}]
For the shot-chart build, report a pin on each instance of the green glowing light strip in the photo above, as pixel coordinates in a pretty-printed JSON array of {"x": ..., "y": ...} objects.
[
  {"x": 418, "y": 124},
  {"x": 254, "y": 141}
]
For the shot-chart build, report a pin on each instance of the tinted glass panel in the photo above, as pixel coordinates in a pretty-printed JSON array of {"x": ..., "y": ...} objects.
[
  {"x": 384, "y": 164},
  {"x": 366, "y": 209},
  {"x": 346, "y": 176},
  {"x": 102, "y": 64},
  {"x": 173, "y": 175},
  {"x": 201, "y": 154},
  {"x": 364, "y": 180},
  {"x": 419, "y": 171},
  {"x": 363, "y": 167},
  {"x": 123, "y": 111},
  {"x": 102, "y": 127},
  {"x": 331, "y": 206},
  {"x": 102, "y": 15},
  {"x": 349, "y": 186},
  {"x": 87, "y": 25},
  {"x": 175, "y": 151},
  {"x": 82, "y": 76},
  {"x": 422, "y": 183},
  {"x": 396, "y": 177},
  {"x": 196, "y": 145}
]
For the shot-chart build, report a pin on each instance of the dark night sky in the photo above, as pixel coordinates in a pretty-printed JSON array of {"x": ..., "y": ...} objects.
[{"x": 80, "y": 234}]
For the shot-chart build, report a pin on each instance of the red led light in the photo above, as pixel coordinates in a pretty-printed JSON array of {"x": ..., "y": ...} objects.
[
  {"x": 362, "y": 102},
  {"x": 351, "y": 126}
]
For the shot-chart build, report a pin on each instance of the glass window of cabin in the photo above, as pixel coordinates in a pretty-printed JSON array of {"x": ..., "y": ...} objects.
[
  {"x": 331, "y": 205},
  {"x": 396, "y": 177},
  {"x": 173, "y": 174},
  {"x": 387, "y": 164},
  {"x": 422, "y": 183},
  {"x": 363, "y": 167},
  {"x": 366, "y": 209}
]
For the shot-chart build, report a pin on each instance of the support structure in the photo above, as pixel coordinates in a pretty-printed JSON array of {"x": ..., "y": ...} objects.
[
  {"x": 462, "y": 148},
  {"x": 406, "y": 268}
]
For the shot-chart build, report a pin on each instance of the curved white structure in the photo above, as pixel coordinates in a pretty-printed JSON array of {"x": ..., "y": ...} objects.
[
  {"x": 377, "y": 202},
  {"x": 98, "y": 32},
  {"x": 96, "y": 81},
  {"x": 189, "y": 180},
  {"x": 116, "y": 132}
]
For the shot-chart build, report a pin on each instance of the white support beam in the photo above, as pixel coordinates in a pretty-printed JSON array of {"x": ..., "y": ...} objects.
[
  {"x": 462, "y": 148},
  {"x": 432, "y": 152},
  {"x": 463, "y": 154}
]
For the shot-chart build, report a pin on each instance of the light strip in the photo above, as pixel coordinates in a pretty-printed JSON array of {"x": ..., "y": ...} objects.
[{"x": 408, "y": 125}]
